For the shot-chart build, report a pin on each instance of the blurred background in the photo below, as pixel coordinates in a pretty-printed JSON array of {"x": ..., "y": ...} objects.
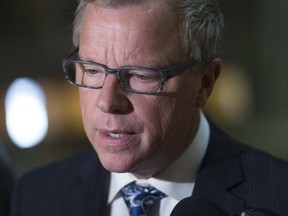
[{"x": 250, "y": 100}]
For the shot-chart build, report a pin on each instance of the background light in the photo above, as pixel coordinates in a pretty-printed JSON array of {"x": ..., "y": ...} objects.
[{"x": 26, "y": 114}]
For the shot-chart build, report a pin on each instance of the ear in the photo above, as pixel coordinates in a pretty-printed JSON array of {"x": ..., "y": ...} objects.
[{"x": 209, "y": 75}]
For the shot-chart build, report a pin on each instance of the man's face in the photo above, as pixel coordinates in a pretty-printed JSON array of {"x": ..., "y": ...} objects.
[{"x": 141, "y": 134}]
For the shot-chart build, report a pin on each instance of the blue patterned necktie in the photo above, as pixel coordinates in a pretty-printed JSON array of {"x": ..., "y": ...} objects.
[{"x": 140, "y": 198}]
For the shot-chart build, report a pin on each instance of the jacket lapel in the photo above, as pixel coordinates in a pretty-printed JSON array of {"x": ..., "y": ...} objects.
[
  {"x": 221, "y": 172},
  {"x": 216, "y": 182}
]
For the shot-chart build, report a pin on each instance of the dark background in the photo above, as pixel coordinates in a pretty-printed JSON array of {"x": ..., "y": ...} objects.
[{"x": 250, "y": 101}]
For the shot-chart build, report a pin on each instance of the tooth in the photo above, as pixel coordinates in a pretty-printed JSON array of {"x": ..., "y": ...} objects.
[{"x": 115, "y": 135}]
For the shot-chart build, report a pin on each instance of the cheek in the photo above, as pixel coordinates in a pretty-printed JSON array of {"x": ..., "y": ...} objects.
[
  {"x": 86, "y": 105},
  {"x": 176, "y": 111},
  {"x": 83, "y": 102},
  {"x": 157, "y": 116},
  {"x": 164, "y": 115}
]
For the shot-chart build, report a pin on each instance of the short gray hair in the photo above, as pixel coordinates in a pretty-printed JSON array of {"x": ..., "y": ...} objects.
[{"x": 202, "y": 24}]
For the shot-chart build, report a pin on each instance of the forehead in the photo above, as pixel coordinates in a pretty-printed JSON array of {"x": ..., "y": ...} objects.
[
  {"x": 150, "y": 12},
  {"x": 146, "y": 27}
]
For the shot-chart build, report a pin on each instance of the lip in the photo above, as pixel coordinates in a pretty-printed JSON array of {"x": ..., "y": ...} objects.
[{"x": 117, "y": 140}]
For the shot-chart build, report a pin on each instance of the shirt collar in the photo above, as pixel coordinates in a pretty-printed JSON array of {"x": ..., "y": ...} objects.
[{"x": 171, "y": 181}]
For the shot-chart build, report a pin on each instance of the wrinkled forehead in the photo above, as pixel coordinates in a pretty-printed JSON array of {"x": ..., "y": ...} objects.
[
  {"x": 153, "y": 13},
  {"x": 149, "y": 26},
  {"x": 117, "y": 3}
]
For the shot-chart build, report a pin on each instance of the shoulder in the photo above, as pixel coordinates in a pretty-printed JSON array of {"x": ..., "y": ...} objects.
[
  {"x": 257, "y": 161},
  {"x": 51, "y": 189},
  {"x": 60, "y": 175},
  {"x": 223, "y": 148},
  {"x": 256, "y": 177},
  {"x": 66, "y": 167}
]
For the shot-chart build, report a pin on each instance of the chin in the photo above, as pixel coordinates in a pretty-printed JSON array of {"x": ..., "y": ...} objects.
[{"x": 116, "y": 164}]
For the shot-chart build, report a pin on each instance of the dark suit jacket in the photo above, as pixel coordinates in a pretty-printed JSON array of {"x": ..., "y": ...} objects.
[{"x": 232, "y": 175}]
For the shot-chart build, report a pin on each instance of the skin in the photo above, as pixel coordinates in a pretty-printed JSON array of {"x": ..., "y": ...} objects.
[{"x": 154, "y": 129}]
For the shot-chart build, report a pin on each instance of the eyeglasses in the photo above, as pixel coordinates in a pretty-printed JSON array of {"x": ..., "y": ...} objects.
[{"x": 136, "y": 79}]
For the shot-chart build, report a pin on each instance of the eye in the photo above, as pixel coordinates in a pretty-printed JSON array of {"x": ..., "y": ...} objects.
[
  {"x": 144, "y": 76},
  {"x": 92, "y": 70}
]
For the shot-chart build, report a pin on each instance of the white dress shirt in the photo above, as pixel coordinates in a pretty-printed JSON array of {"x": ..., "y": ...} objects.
[{"x": 177, "y": 181}]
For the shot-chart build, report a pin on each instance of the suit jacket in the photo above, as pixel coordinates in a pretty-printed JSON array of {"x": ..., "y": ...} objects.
[{"x": 232, "y": 175}]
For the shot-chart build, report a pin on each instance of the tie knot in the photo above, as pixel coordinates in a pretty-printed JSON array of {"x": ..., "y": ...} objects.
[{"x": 140, "y": 198}]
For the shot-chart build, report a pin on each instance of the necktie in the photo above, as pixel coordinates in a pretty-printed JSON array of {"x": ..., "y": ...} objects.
[{"x": 140, "y": 198}]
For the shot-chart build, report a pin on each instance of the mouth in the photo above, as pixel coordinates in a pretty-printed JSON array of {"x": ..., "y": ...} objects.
[
  {"x": 115, "y": 134},
  {"x": 115, "y": 141}
]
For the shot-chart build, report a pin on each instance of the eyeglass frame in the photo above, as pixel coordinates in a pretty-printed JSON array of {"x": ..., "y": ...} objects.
[{"x": 165, "y": 73}]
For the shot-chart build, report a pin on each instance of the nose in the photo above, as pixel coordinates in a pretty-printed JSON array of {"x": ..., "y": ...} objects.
[{"x": 112, "y": 98}]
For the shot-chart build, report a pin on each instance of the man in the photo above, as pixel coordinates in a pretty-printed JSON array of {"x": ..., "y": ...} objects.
[{"x": 145, "y": 68}]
